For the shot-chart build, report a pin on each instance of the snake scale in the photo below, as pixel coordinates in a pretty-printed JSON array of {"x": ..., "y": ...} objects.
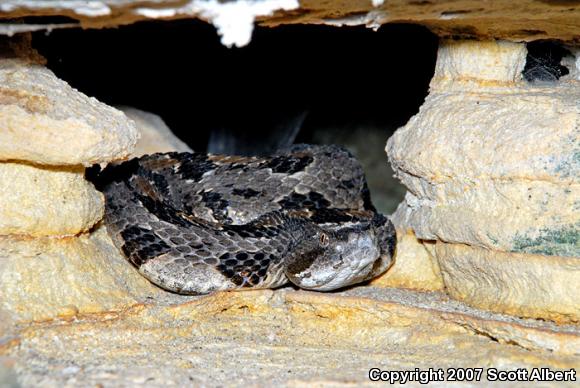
[{"x": 194, "y": 223}]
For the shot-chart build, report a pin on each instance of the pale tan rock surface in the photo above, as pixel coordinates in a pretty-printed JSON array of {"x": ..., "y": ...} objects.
[
  {"x": 505, "y": 19},
  {"x": 519, "y": 284},
  {"x": 41, "y": 200},
  {"x": 42, "y": 278},
  {"x": 495, "y": 62},
  {"x": 7, "y": 374},
  {"x": 155, "y": 135},
  {"x": 73, "y": 311},
  {"x": 43, "y": 120},
  {"x": 491, "y": 161},
  {"x": 414, "y": 267},
  {"x": 284, "y": 337},
  {"x": 501, "y": 170}
]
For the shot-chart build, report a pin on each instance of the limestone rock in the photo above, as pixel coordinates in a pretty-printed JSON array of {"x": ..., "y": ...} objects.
[
  {"x": 480, "y": 62},
  {"x": 282, "y": 338},
  {"x": 72, "y": 310},
  {"x": 45, "y": 121},
  {"x": 491, "y": 161},
  {"x": 7, "y": 375},
  {"x": 516, "y": 216},
  {"x": 572, "y": 63},
  {"x": 155, "y": 134},
  {"x": 501, "y": 169},
  {"x": 43, "y": 278},
  {"x": 504, "y": 19},
  {"x": 45, "y": 200},
  {"x": 414, "y": 267},
  {"x": 520, "y": 284}
]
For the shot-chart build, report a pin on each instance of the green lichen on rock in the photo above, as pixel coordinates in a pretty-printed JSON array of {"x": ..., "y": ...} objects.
[
  {"x": 493, "y": 240},
  {"x": 570, "y": 166},
  {"x": 551, "y": 242}
]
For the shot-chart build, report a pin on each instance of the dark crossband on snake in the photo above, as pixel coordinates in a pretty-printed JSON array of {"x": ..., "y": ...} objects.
[{"x": 194, "y": 223}]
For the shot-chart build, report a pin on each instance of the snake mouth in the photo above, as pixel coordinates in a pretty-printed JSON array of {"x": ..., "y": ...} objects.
[
  {"x": 347, "y": 265},
  {"x": 337, "y": 280}
]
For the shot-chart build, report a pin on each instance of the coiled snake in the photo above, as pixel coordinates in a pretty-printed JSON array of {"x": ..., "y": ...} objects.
[{"x": 194, "y": 223}]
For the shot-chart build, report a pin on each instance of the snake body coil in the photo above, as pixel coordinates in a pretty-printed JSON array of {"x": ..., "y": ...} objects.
[{"x": 195, "y": 223}]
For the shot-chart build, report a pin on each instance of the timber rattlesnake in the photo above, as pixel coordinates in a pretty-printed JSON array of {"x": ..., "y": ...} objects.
[{"x": 195, "y": 223}]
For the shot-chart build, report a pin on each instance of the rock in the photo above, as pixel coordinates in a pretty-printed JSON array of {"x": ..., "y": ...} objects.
[
  {"x": 515, "y": 148},
  {"x": 45, "y": 278},
  {"x": 7, "y": 374},
  {"x": 155, "y": 134},
  {"x": 491, "y": 161},
  {"x": 45, "y": 121},
  {"x": 536, "y": 286},
  {"x": 469, "y": 62},
  {"x": 41, "y": 200},
  {"x": 284, "y": 338},
  {"x": 414, "y": 267},
  {"x": 73, "y": 311},
  {"x": 515, "y": 216},
  {"x": 572, "y": 63},
  {"x": 501, "y": 19}
]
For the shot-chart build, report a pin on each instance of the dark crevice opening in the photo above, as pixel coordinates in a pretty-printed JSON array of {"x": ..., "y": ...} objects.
[
  {"x": 41, "y": 20},
  {"x": 355, "y": 85},
  {"x": 543, "y": 62}
]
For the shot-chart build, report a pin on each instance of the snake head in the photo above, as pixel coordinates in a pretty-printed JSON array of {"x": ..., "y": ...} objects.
[{"x": 340, "y": 256}]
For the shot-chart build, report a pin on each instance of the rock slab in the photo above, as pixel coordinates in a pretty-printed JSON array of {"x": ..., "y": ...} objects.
[{"x": 491, "y": 163}]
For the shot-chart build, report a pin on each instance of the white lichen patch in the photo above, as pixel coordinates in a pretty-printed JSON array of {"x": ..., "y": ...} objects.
[
  {"x": 234, "y": 20},
  {"x": 11, "y": 29},
  {"x": 372, "y": 19}
]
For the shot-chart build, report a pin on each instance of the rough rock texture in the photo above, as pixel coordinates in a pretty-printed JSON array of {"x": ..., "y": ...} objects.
[
  {"x": 506, "y": 19},
  {"x": 42, "y": 278},
  {"x": 45, "y": 121},
  {"x": 46, "y": 200},
  {"x": 414, "y": 267},
  {"x": 519, "y": 284},
  {"x": 491, "y": 161},
  {"x": 47, "y": 132},
  {"x": 7, "y": 374},
  {"x": 73, "y": 311},
  {"x": 155, "y": 135},
  {"x": 283, "y": 337}
]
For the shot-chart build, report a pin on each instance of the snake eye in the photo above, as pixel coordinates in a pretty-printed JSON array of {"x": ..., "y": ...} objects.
[{"x": 324, "y": 239}]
